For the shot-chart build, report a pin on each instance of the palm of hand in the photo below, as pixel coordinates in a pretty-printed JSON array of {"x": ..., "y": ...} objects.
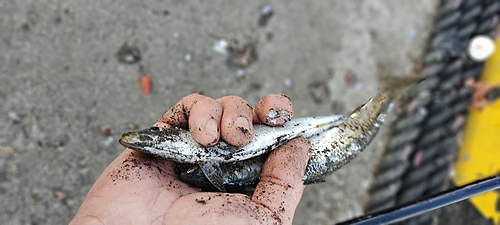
[{"x": 140, "y": 189}]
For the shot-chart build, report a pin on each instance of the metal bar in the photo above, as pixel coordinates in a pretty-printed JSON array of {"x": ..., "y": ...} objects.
[{"x": 427, "y": 204}]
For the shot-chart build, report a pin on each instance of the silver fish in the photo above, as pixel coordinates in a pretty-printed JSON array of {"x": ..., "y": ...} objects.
[
  {"x": 329, "y": 151},
  {"x": 178, "y": 145}
]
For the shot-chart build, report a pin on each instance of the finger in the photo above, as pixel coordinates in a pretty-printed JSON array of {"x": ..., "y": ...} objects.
[
  {"x": 281, "y": 181},
  {"x": 273, "y": 110},
  {"x": 175, "y": 116},
  {"x": 201, "y": 113},
  {"x": 236, "y": 123}
]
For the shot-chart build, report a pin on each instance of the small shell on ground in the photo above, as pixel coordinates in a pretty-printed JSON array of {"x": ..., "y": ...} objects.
[
  {"x": 320, "y": 92},
  {"x": 129, "y": 53},
  {"x": 105, "y": 130},
  {"x": 130, "y": 126},
  {"x": 266, "y": 12},
  {"x": 221, "y": 46},
  {"x": 350, "y": 79},
  {"x": 59, "y": 195}
]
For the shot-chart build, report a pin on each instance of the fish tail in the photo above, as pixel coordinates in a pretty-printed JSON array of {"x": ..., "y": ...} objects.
[
  {"x": 392, "y": 86},
  {"x": 337, "y": 147},
  {"x": 366, "y": 119}
]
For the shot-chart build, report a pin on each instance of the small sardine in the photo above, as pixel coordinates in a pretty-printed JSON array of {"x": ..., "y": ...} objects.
[{"x": 329, "y": 151}]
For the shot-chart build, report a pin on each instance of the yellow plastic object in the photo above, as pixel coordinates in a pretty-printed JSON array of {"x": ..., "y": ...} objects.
[{"x": 479, "y": 156}]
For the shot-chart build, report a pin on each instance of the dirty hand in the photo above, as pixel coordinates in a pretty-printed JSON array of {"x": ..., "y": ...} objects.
[{"x": 139, "y": 189}]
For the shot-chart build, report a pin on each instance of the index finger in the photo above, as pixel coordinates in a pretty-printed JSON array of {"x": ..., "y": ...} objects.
[{"x": 202, "y": 113}]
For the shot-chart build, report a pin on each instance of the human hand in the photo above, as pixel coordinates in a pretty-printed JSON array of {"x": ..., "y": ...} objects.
[{"x": 140, "y": 189}]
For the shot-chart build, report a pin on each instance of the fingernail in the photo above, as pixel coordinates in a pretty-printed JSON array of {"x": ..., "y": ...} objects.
[
  {"x": 212, "y": 129},
  {"x": 277, "y": 117},
  {"x": 242, "y": 124}
]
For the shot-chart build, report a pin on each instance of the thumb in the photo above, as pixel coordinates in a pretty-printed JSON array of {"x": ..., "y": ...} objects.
[{"x": 281, "y": 181}]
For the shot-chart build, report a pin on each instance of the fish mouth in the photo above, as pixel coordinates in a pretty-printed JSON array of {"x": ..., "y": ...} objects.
[
  {"x": 129, "y": 140},
  {"x": 128, "y": 145}
]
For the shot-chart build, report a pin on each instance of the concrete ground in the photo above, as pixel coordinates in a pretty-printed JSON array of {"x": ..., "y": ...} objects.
[{"x": 60, "y": 82}]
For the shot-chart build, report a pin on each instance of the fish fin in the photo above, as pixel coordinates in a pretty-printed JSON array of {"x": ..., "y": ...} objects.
[{"x": 214, "y": 174}]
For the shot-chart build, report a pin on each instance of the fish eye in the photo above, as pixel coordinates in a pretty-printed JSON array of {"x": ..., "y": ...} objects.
[
  {"x": 146, "y": 138},
  {"x": 155, "y": 129}
]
